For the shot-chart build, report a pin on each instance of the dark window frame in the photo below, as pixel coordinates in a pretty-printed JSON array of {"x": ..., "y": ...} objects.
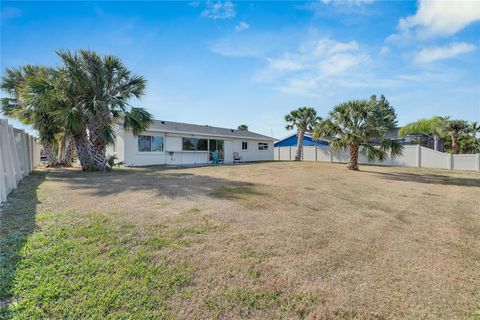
[
  {"x": 263, "y": 146},
  {"x": 151, "y": 140}
]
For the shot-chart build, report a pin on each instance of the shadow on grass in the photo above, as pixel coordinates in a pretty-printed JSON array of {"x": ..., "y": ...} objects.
[
  {"x": 164, "y": 181},
  {"x": 428, "y": 178},
  {"x": 17, "y": 223}
]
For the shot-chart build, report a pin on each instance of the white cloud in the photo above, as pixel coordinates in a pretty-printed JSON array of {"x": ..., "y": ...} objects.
[
  {"x": 317, "y": 63},
  {"x": 324, "y": 55},
  {"x": 242, "y": 26},
  {"x": 384, "y": 50},
  {"x": 219, "y": 10},
  {"x": 431, "y": 54},
  {"x": 438, "y": 18}
]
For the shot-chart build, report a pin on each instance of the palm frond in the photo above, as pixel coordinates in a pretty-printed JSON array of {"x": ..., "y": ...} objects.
[
  {"x": 373, "y": 152},
  {"x": 138, "y": 119}
]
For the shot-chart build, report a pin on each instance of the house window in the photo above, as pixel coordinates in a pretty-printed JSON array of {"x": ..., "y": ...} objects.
[
  {"x": 244, "y": 145},
  {"x": 189, "y": 144},
  {"x": 194, "y": 144},
  {"x": 202, "y": 144},
  {"x": 150, "y": 144},
  {"x": 262, "y": 146}
]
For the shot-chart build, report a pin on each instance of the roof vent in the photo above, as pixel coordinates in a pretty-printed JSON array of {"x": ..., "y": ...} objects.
[
  {"x": 162, "y": 122},
  {"x": 232, "y": 130}
]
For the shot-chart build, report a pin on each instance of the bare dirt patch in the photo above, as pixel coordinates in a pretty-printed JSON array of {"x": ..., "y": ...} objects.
[{"x": 291, "y": 240}]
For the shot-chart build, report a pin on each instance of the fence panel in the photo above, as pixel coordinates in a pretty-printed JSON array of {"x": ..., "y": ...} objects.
[
  {"x": 19, "y": 154},
  {"x": 408, "y": 157},
  {"x": 309, "y": 153},
  {"x": 434, "y": 159},
  {"x": 324, "y": 154},
  {"x": 466, "y": 162},
  {"x": 412, "y": 156}
]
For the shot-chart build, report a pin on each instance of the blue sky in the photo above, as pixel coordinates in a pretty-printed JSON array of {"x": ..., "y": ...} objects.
[{"x": 227, "y": 63}]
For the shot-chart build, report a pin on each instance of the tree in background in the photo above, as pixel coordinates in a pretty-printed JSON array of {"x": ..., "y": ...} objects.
[
  {"x": 304, "y": 120},
  {"x": 243, "y": 127},
  {"x": 454, "y": 129},
  {"x": 434, "y": 126},
  {"x": 474, "y": 128},
  {"x": 355, "y": 123},
  {"x": 461, "y": 137}
]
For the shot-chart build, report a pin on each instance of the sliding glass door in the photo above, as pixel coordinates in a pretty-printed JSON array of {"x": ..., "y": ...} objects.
[{"x": 216, "y": 146}]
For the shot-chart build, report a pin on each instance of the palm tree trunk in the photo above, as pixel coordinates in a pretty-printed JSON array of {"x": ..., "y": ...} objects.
[
  {"x": 454, "y": 145},
  {"x": 353, "y": 161},
  {"x": 84, "y": 153},
  {"x": 300, "y": 135},
  {"x": 435, "y": 142},
  {"x": 99, "y": 147},
  {"x": 99, "y": 157},
  {"x": 68, "y": 150},
  {"x": 51, "y": 153}
]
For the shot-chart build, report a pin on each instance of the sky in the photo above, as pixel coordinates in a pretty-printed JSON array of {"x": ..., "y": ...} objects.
[{"x": 228, "y": 63}]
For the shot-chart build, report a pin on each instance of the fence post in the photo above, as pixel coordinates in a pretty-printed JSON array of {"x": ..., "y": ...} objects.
[
  {"x": 478, "y": 161},
  {"x": 450, "y": 161},
  {"x": 316, "y": 151},
  {"x": 419, "y": 156}
]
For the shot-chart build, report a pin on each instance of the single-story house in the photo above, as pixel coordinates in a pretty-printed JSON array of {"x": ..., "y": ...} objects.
[
  {"x": 176, "y": 143},
  {"x": 292, "y": 140}
]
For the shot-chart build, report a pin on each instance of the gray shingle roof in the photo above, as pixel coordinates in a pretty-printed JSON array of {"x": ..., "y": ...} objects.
[{"x": 170, "y": 126}]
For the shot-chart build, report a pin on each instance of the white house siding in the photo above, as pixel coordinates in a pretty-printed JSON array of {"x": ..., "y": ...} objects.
[{"x": 126, "y": 148}]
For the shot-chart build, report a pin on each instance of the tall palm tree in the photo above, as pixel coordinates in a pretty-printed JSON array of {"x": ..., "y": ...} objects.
[
  {"x": 304, "y": 120},
  {"x": 434, "y": 126},
  {"x": 454, "y": 128},
  {"x": 103, "y": 87},
  {"x": 355, "y": 123}
]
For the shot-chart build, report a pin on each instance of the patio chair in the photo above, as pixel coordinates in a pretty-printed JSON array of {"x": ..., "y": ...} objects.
[
  {"x": 215, "y": 158},
  {"x": 237, "y": 157}
]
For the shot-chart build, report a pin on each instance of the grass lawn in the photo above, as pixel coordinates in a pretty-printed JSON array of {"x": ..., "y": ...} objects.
[{"x": 262, "y": 241}]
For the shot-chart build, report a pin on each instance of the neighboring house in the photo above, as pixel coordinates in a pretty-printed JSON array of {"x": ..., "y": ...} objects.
[
  {"x": 412, "y": 139},
  {"x": 291, "y": 141},
  {"x": 175, "y": 143},
  {"x": 422, "y": 139}
]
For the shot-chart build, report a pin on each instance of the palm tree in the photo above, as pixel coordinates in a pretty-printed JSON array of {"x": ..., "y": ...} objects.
[
  {"x": 454, "y": 128},
  {"x": 25, "y": 105},
  {"x": 243, "y": 127},
  {"x": 355, "y": 123},
  {"x": 434, "y": 126},
  {"x": 304, "y": 120},
  {"x": 474, "y": 128},
  {"x": 102, "y": 87}
]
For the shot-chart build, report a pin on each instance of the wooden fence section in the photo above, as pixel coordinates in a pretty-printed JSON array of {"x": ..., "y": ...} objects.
[
  {"x": 19, "y": 155},
  {"x": 413, "y": 156}
]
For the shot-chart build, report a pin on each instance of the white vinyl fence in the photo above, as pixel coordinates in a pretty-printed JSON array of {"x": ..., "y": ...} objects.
[
  {"x": 19, "y": 155},
  {"x": 413, "y": 156}
]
